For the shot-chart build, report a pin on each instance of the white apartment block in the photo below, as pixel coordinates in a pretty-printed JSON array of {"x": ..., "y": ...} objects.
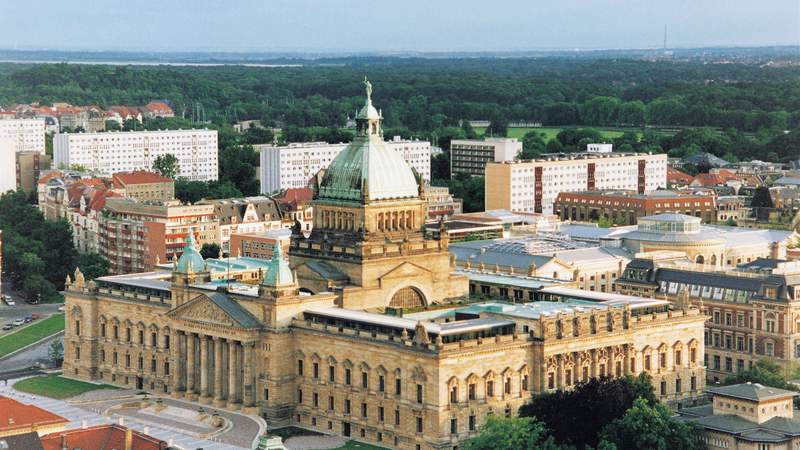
[
  {"x": 126, "y": 151},
  {"x": 293, "y": 165},
  {"x": 470, "y": 156},
  {"x": 532, "y": 186},
  {"x": 8, "y": 165},
  {"x": 25, "y": 135}
]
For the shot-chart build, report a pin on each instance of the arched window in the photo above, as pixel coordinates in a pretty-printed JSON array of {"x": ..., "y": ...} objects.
[
  {"x": 699, "y": 259},
  {"x": 407, "y": 297}
]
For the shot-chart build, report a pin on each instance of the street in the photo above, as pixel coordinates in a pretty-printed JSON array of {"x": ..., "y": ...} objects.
[{"x": 21, "y": 309}]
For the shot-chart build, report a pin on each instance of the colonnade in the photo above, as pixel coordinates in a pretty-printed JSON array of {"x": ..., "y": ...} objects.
[{"x": 213, "y": 369}]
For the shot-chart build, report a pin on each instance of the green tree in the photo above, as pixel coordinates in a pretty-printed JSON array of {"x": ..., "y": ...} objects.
[
  {"x": 55, "y": 353},
  {"x": 517, "y": 433},
  {"x": 468, "y": 188},
  {"x": 731, "y": 222},
  {"x": 652, "y": 426},
  {"x": 440, "y": 166},
  {"x": 210, "y": 250},
  {"x": 533, "y": 145},
  {"x": 167, "y": 166},
  {"x": 237, "y": 164},
  {"x": 764, "y": 372},
  {"x": 498, "y": 126},
  {"x": 92, "y": 265},
  {"x": 576, "y": 417}
]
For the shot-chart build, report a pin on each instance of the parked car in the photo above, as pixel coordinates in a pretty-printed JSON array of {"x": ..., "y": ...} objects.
[
  {"x": 61, "y": 308},
  {"x": 28, "y": 319},
  {"x": 35, "y": 316},
  {"x": 9, "y": 300},
  {"x": 19, "y": 322},
  {"x": 8, "y": 326}
]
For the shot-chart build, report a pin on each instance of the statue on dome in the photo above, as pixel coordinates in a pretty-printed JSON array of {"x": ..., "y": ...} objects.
[{"x": 368, "y": 86}]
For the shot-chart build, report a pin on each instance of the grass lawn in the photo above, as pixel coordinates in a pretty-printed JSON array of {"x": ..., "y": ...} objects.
[
  {"x": 550, "y": 133},
  {"x": 55, "y": 386},
  {"x": 31, "y": 333}
]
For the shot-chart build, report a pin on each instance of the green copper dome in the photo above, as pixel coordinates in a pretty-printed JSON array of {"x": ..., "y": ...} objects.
[
  {"x": 190, "y": 260},
  {"x": 278, "y": 273},
  {"x": 367, "y": 169}
]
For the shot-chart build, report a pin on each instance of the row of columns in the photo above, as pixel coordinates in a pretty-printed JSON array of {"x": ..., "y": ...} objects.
[{"x": 213, "y": 369}]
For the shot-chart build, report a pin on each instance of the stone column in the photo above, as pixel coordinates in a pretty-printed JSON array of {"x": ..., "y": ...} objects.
[
  {"x": 203, "y": 366},
  {"x": 177, "y": 358},
  {"x": 217, "y": 370},
  {"x": 248, "y": 381},
  {"x": 233, "y": 373},
  {"x": 190, "y": 363}
]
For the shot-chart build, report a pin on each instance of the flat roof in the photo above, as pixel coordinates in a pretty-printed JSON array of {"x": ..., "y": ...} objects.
[
  {"x": 158, "y": 280},
  {"x": 605, "y": 298},
  {"x": 510, "y": 280},
  {"x": 442, "y": 329}
]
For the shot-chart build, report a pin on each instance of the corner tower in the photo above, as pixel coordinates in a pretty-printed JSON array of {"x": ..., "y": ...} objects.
[{"x": 367, "y": 243}]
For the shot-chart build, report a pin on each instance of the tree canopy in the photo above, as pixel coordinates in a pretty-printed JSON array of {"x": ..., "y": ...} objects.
[
  {"x": 651, "y": 426},
  {"x": 167, "y": 166},
  {"x": 518, "y": 433}
]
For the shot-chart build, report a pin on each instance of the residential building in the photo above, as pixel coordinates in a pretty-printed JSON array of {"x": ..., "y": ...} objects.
[
  {"x": 135, "y": 237},
  {"x": 599, "y": 148},
  {"x": 8, "y": 177},
  {"x": 144, "y": 186},
  {"x": 625, "y": 207},
  {"x": 109, "y": 153},
  {"x": 29, "y": 167},
  {"x": 158, "y": 108},
  {"x": 326, "y": 359},
  {"x": 21, "y": 418},
  {"x": 259, "y": 245},
  {"x": 752, "y": 311},
  {"x": 747, "y": 416},
  {"x": 441, "y": 204},
  {"x": 293, "y": 165},
  {"x": 102, "y": 437},
  {"x": 296, "y": 208},
  {"x": 732, "y": 207},
  {"x": 677, "y": 179},
  {"x": 26, "y": 135},
  {"x": 471, "y": 156},
  {"x": 532, "y": 186},
  {"x": 243, "y": 215}
]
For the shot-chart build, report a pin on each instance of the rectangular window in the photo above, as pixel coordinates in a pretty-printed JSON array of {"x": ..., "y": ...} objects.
[
  {"x": 300, "y": 367},
  {"x": 471, "y": 391},
  {"x": 380, "y": 413},
  {"x": 316, "y": 370},
  {"x": 419, "y": 424},
  {"x": 347, "y": 406},
  {"x": 397, "y": 416},
  {"x": 102, "y": 330},
  {"x": 331, "y": 403},
  {"x": 363, "y": 410},
  {"x": 419, "y": 393},
  {"x": 398, "y": 386},
  {"x": 77, "y": 328},
  {"x": 331, "y": 374},
  {"x": 663, "y": 388},
  {"x": 347, "y": 380},
  {"x": 472, "y": 423},
  {"x": 315, "y": 399},
  {"x": 299, "y": 396},
  {"x": 364, "y": 380},
  {"x": 678, "y": 385},
  {"x": 453, "y": 426},
  {"x": 381, "y": 383}
]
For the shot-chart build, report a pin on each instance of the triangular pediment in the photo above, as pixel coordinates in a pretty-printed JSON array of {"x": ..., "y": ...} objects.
[
  {"x": 406, "y": 270},
  {"x": 202, "y": 310}
]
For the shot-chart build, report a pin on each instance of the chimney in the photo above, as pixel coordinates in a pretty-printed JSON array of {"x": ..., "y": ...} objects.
[
  {"x": 64, "y": 442},
  {"x": 128, "y": 439},
  {"x": 83, "y": 425}
]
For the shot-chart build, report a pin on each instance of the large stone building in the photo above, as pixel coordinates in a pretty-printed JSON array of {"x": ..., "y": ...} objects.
[
  {"x": 321, "y": 360},
  {"x": 533, "y": 185},
  {"x": 753, "y": 312}
]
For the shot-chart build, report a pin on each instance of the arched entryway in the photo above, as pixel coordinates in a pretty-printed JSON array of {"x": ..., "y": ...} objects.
[
  {"x": 699, "y": 259},
  {"x": 713, "y": 260},
  {"x": 407, "y": 297},
  {"x": 304, "y": 290}
]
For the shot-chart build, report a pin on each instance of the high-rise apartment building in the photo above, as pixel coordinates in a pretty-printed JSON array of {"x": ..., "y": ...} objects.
[
  {"x": 25, "y": 135},
  {"x": 533, "y": 185},
  {"x": 128, "y": 151},
  {"x": 471, "y": 156},
  {"x": 293, "y": 165}
]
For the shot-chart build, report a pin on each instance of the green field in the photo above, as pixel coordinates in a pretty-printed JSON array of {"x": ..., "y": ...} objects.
[
  {"x": 32, "y": 333},
  {"x": 55, "y": 386},
  {"x": 550, "y": 133}
]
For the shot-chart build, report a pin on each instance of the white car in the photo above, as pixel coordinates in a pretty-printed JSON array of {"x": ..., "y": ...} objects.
[
  {"x": 19, "y": 322},
  {"x": 61, "y": 308},
  {"x": 9, "y": 301}
]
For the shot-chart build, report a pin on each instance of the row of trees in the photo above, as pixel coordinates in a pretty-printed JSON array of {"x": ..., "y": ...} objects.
[{"x": 37, "y": 253}]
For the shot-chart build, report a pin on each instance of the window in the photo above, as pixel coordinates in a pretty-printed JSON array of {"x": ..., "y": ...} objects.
[
  {"x": 525, "y": 382},
  {"x": 380, "y": 413},
  {"x": 331, "y": 374},
  {"x": 316, "y": 370},
  {"x": 364, "y": 380},
  {"x": 678, "y": 386},
  {"x": 717, "y": 362},
  {"x": 153, "y": 340},
  {"x": 300, "y": 367},
  {"x": 166, "y": 341},
  {"x": 770, "y": 349},
  {"x": 453, "y": 426},
  {"x": 347, "y": 376},
  {"x": 381, "y": 383},
  {"x": 397, "y": 416},
  {"x": 770, "y": 321},
  {"x": 507, "y": 385},
  {"x": 77, "y": 328},
  {"x": 299, "y": 396},
  {"x": 693, "y": 383},
  {"x": 454, "y": 394},
  {"x": 347, "y": 406},
  {"x": 398, "y": 386},
  {"x": 363, "y": 410},
  {"x": 315, "y": 399},
  {"x": 102, "y": 330},
  {"x": 419, "y": 393},
  {"x": 77, "y": 352},
  {"x": 490, "y": 388},
  {"x": 472, "y": 423},
  {"x": 471, "y": 391},
  {"x": 331, "y": 403},
  {"x": 419, "y": 424},
  {"x": 140, "y": 334},
  {"x": 663, "y": 388}
]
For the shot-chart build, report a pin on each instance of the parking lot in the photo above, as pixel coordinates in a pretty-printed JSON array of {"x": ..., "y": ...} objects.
[{"x": 21, "y": 309}]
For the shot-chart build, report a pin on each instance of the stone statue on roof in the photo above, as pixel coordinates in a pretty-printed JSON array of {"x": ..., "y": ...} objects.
[{"x": 368, "y": 86}]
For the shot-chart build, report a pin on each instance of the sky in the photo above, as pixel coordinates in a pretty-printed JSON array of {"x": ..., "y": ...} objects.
[{"x": 384, "y": 26}]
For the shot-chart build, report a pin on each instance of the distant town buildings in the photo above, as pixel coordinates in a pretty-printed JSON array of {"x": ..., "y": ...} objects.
[
  {"x": 109, "y": 153},
  {"x": 22, "y": 135},
  {"x": 144, "y": 186},
  {"x": 471, "y": 156},
  {"x": 62, "y": 116},
  {"x": 625, "y": 207},
  {"x": 243, "y": 216},
  {"x": 29, "y": 168},
  {"x": 441, "y": 204},
  {"x": 533, "y": 186},
  {"x": 293, "y": 165}
]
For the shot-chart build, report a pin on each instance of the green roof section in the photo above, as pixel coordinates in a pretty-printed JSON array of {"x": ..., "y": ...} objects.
[
  {"x": 278, "y": 271},
  {"x": 190, "y": 260}
]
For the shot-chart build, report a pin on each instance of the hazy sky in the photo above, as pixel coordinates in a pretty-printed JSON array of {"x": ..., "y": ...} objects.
[{"x": 416, "y": 25}]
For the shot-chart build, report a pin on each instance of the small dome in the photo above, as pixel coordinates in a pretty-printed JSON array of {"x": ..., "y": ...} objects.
[
  {"x": 190, "y": 260},
  {"x": 368, "y": 112},
  {"x": 278, "y": 272}
]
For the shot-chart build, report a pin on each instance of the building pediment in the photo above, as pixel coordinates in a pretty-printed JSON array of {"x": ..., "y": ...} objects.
[
  {"x": 406, "y": 270},
  {"x": 214, "y": 310}
]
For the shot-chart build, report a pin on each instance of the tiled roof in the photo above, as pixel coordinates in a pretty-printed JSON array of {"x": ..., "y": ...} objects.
[
  {"x": 16, "y": 415},
  {"x": 751, "y": 391},
  {"x": 121, "y": 179},
  {"x": 712, "y": 179},
  {"x": 101, "y": 437},
  {"x": 675, "y": 176}
]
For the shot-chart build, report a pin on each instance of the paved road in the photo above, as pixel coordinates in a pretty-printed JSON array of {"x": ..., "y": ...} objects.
[
  {"x": 30, "y": 356},
  {"x": 21, "y": 309}
]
